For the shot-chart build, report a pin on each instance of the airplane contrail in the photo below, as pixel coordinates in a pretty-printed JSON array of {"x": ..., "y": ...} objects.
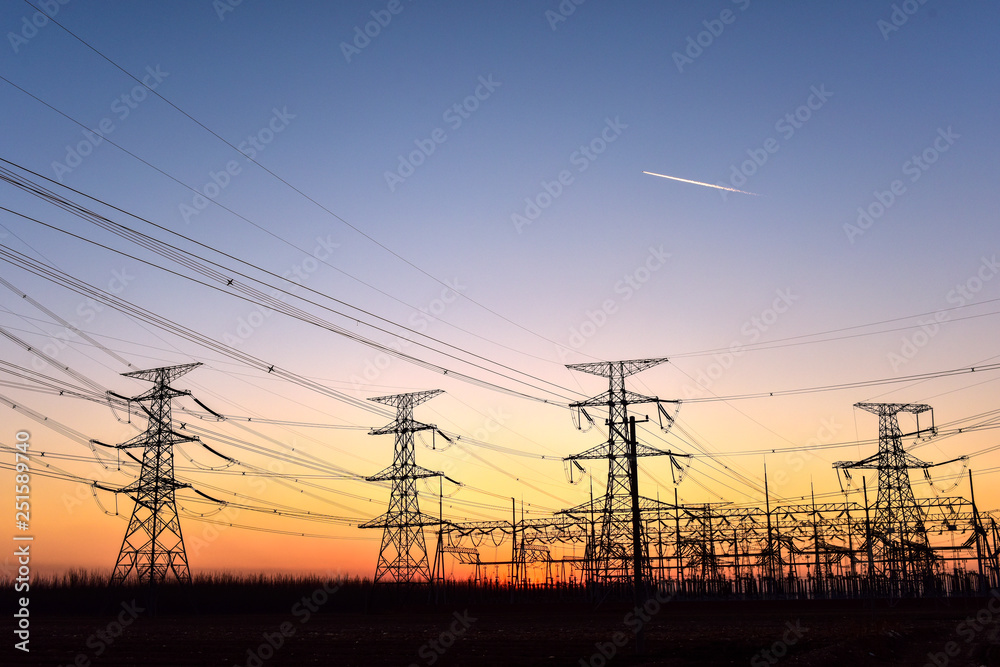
[{"x": 707, "y": 185}]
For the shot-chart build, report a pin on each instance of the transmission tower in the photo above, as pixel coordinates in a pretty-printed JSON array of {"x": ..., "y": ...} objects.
[
  {"x": 402, "y": 557},
  {"x": 899, "y": 538},
  {"x": 153, "y": 544},
  {"x": 614, "y": 553}
]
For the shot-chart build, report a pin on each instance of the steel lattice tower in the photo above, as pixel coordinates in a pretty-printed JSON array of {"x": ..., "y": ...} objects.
[
  {"x": 613, "y": 554},
  {"x": 899, "y": 537},
  {"x": 153, "y": 544},
  {"x": 402, "y": 557}
]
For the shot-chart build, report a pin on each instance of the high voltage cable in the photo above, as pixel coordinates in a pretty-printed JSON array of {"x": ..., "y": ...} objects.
[
  {"x": 76, "y": 392},
  {"x": 741, "y": 412},
  {"x": 339, "y": 472},
  {"x": 252, "y": 295},
  {"x": 49, "y": 360},
  {"x": 111, "y": 400},
  {"x": 850, "y": 385},
  {"x": 288, "y": 184},
  {"x": 181, "y": 256},
  {"x": 715, "y": 456},
  {"x": 279, "y": 509},
  {"x": 723, "y": 398},
  {"x": 65, "y": 476},
  {"x": 498, "y": 495},
  {"x": 241, "y": 217},
  {"x": 305, "y": 317},
  {"x": 66, "y": 389},
  {"x": 782, "y": 342},
  {"x": 68, "y": 325},
  {"x": 80, "y": 287}
]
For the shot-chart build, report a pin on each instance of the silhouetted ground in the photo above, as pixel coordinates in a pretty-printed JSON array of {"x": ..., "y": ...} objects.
[
  {"x": 681, "y": 633},
  {"x": 268, "y": 621}
]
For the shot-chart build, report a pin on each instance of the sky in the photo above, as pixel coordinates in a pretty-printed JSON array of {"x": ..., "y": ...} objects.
[{"x": 474, "y": 173}]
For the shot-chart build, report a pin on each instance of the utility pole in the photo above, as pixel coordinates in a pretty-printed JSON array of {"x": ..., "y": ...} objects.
[
  {"x": 980, "y": 534},
  {"x": 437, "y": 572},
  {"x": 868, "y": 533},
  {"x": 637, "y": 534},
  {"x": 514, "y": 573},
  {"x": 677, "y": 544},
  {"x": 770, "y": 531}
]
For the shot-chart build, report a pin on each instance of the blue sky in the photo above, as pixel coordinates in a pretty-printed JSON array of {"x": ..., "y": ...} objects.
[{"x": 547, "y": 90}]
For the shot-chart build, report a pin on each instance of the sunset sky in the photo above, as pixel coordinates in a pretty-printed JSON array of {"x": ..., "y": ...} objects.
[{"x": 473, "y": 172}]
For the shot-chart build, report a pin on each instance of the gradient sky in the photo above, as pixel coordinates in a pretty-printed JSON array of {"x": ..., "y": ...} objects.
[{"x": 817, "y": 107}]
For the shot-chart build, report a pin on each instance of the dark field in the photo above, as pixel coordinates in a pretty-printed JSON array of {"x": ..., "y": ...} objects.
[{"x": 229, "y": 623}]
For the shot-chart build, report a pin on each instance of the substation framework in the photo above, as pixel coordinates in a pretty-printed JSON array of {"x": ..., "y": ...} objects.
[{"x": 891, "y": 545}]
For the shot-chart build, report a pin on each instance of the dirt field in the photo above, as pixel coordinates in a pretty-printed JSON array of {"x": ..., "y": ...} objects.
[{"x": 676, "y": 633}]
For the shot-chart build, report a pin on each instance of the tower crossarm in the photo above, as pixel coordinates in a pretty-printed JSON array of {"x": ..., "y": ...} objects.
[
  {"x": 394, "y": 472},
  {"x": 404, "y": 425},
  {"x": 605, "y": 450},
  {"x": 893, "y": 408},
  {"x": 606, "y": 368},
  {"x": 164, "y": 374},
  {"x": 395, "y": 520},
  {"x": 412, "y": 399},
  {"x": 157, "y": 392},
  {"x": 870, "y": 463},
  {"x": 913, "y": 462},
  {"x": 909, "y": 461},
  {"x": 628, "y": 397}
]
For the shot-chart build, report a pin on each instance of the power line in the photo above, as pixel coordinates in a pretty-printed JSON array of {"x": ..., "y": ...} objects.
[
  {"x": 183, "y": 257},
  {"x": 288, "y": 184},
  {"x": 252, "y": 295},
  {"x": 849, "y": 385}
]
